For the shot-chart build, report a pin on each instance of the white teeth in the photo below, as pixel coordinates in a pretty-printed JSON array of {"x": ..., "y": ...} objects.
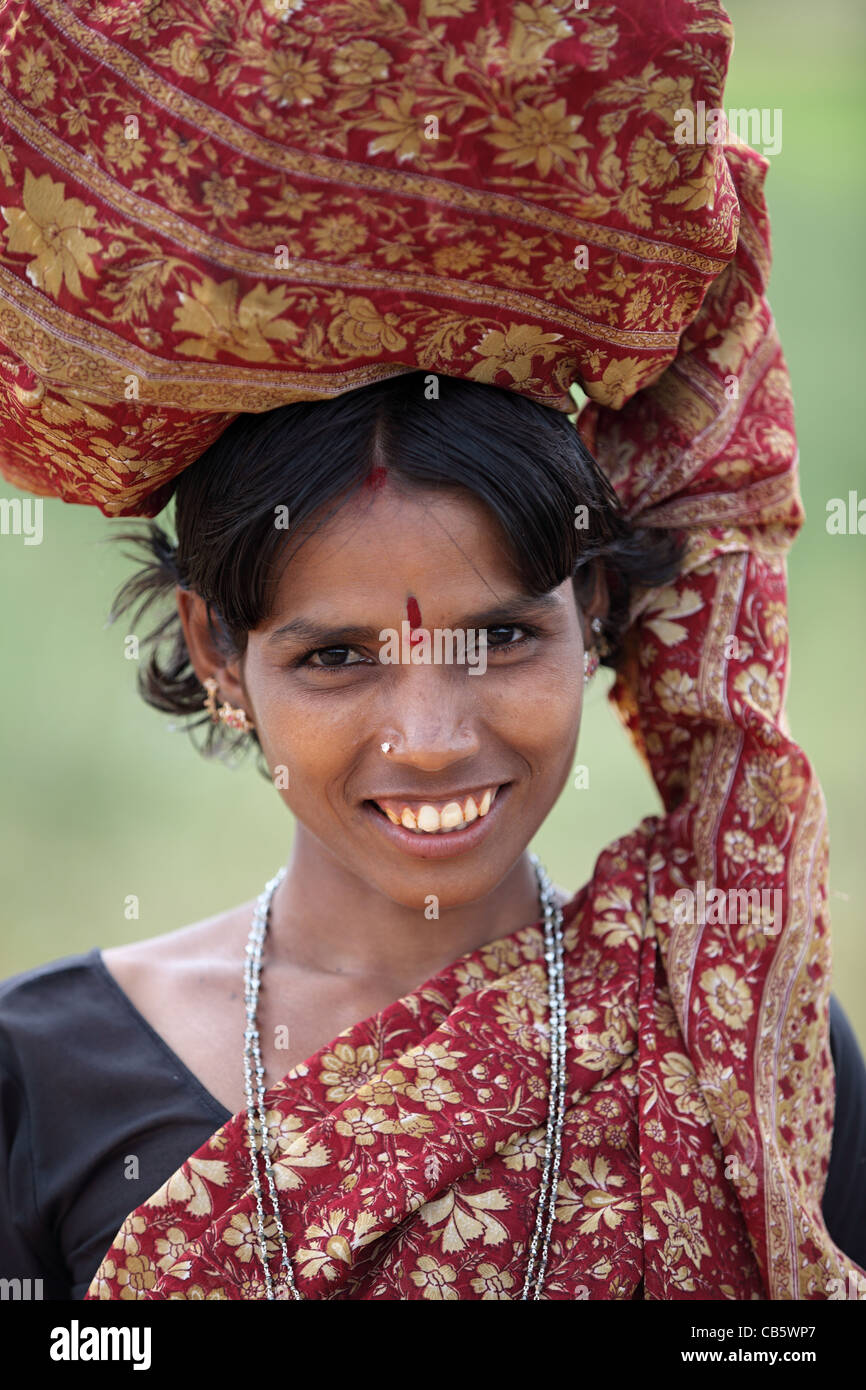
[{"x": 427, "y": 820}]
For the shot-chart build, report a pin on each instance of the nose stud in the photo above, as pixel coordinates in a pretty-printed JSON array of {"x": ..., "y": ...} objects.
[{"x": 386, "y": 747}]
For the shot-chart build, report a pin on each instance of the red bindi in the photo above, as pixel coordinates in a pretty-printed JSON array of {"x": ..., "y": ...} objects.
[
  {"x": 413, "y": 613},
  {"x": 376, "y": 478}
]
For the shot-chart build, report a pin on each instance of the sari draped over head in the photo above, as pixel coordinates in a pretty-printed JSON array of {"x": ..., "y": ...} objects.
[{"x": 554, "y": 231}]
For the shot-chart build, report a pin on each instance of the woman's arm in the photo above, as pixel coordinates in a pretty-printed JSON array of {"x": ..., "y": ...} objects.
[
  {"x": 844, "y": 1204},
  {"x": 711, "y": 449}
]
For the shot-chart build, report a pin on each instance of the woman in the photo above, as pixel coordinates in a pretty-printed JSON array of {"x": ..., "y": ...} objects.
[
  {"x": 631, "y": 1094},
  {"x": 408, "y": 1149}
]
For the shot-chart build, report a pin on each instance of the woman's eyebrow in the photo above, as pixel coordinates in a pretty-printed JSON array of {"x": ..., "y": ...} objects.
[{"x": 505, "y": 611}]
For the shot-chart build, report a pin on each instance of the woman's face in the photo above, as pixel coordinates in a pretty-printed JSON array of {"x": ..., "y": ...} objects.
[{"x": 325, "y": 700}]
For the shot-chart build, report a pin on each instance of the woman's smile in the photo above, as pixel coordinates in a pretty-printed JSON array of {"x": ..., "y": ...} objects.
[{"x": 438, "y": 833}]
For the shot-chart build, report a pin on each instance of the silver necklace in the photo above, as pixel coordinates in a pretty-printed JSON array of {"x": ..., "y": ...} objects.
[{"x": 256, "y": 1118}]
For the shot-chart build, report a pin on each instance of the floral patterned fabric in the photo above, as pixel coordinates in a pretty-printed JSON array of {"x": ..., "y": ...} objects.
[
  {"x": 410, "y": 1149},
  {"x": 235, "y": 205},
  {"x": 242, "y": 203}
]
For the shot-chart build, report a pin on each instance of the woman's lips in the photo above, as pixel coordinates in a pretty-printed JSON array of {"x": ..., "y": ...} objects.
[{"x": 442, "y": 844}]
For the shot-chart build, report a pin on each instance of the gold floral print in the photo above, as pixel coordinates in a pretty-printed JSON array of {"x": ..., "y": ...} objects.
[
  {"x": 681, "y": 1081},
  {"x": 493, "y": 1283},
  {"x": 514, "y": 351},
  {"x": 727, "y": 996},
  {"x": 684, "y": 1227},
  {"x": 732, "y": 1107},
  {"x": 458, "y": 1222},
  {"x": 770, "y": 789},
  {"x": 338, "y": 1234},
  {"x": 224, "y": 323},
  {"x": 363, "y": 1125},
  {"x": 345, "y": 1067},
  {"x": 759, "y": 687},
  {"x": 360, "y": 324},
  {"x": 38, "y": 81},
  {"x": 171, "y": 1246},
  {"x": 739, "y": 846},
  {"x": 192, "y": 1190},
  {"x": 591, "y": 1193},
  {"x": 666, "y": 608},
  {"x": 546, "y": 136},
  {"x": 135, "y": 1277},
  {"x": 435, "y": 1280},
  {"x": 433, "y": 1091},
  {"x": 51, "y": 228},
  {"x": 240, "y": 135},
  {"x": 675, "y": 691},
  {"x": 242, "y": 1235}
]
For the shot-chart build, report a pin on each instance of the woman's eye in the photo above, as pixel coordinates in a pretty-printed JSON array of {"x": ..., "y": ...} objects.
[
  {"x": 326, "y": 653},
  {"x": 496, "y": 639}
]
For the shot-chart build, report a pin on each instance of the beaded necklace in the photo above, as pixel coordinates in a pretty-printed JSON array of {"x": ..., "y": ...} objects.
[{"x": 256, "y": 1118}]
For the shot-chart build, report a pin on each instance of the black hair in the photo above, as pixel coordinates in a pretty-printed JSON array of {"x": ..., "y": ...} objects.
[{"x": 525, "y": 461}]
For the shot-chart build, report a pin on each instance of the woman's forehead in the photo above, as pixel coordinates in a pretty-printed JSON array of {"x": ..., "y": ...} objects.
[
  {"x": 385, "y": 525},
  {"x": 388, "y": 544}
]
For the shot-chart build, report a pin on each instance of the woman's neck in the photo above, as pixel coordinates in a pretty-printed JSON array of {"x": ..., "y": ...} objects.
[{"x": 327, "y": 920}]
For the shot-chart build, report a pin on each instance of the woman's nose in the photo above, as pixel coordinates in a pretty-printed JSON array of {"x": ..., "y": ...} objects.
[{"x": 429, "y": 727}]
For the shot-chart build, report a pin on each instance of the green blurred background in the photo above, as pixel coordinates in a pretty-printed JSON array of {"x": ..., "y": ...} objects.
[{"x": 100, "y": 800}]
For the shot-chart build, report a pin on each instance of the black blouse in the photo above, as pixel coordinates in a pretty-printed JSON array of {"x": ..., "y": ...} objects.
[{"x": 96, "y": 1111}]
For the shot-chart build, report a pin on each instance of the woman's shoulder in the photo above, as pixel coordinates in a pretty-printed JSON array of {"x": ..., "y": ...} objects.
[
  {"x": 74, "y": 998},
  {"x": 46, "y": 975},
  {"x": 50, "y": 1016},
  {"x": 180, "y": 958},
  {"x": 43, "y": 992}
]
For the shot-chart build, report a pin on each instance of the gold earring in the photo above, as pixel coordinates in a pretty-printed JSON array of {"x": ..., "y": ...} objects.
[
  {"x": 235, "y": 718},
  {"x": 601, "y": 647},
  {"x": 604, "y": 647}
]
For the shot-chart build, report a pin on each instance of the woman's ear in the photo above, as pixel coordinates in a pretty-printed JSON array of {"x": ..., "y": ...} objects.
[
  {"x": 593, "y": 598},
  {"x": 207, "y": 646}
]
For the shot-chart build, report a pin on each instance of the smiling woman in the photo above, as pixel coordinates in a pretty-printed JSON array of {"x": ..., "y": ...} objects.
[{"x": 412, "y": 1067}]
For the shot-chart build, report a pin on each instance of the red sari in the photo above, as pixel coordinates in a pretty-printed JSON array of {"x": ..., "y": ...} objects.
[{"x": 410, "y": 1148}]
